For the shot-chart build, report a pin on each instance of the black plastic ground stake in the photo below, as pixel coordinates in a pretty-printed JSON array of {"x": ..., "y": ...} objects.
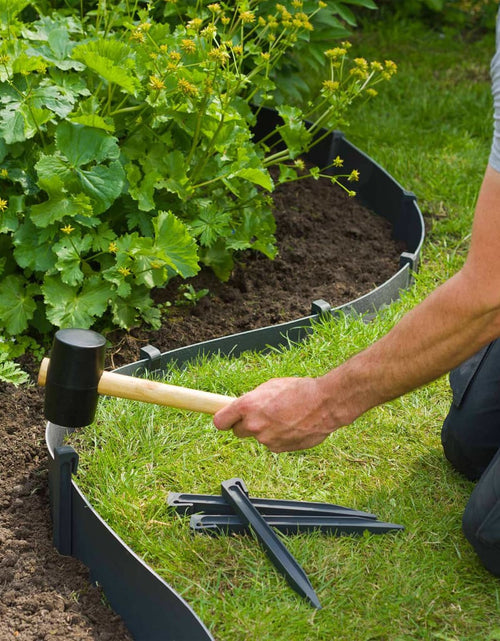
[
  {"x": 186, "y": 504},
  {"x": 235, "y": 493},
  {"x": 216, "y": 524},
  {"x": 62, "y": 467}
]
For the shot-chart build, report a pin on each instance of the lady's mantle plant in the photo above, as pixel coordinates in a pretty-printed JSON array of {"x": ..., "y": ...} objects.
[{"x": 126, "y": 148}]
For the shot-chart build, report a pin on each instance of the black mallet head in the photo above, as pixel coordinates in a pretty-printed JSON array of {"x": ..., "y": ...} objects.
[{"x": 75, "y": 368}]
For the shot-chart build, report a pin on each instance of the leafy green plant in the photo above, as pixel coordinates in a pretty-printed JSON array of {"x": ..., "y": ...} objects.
[
  {"x": 127, "y": 154},
  {"x": 10, "y": 372},
  {"x": 190, "y": 295}
]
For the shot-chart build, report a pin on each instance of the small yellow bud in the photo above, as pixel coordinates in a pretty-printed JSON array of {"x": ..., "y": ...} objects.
[
  {"x": 67, "y": 229},
  {"x": 338, "y": 162},
  {"x": 354, "y": 176},
  {"x": 3, "y": 204}
]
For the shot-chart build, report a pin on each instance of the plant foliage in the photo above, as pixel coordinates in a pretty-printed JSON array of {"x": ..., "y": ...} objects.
[{"x": 127, "y": 154}]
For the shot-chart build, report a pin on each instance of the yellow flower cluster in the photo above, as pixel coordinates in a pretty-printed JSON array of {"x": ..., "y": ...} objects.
[
  {"x": 156, "y": 83},
  {"x": 195, "y": 24},
  {"x": 188, "y": 45},
  {"x": 247, "y": 17},
  {"x": 390, "y": 68},
  {"x": 336, "y": 52},
  {"x": 174, "y": 60},
  {"x": 361, "y": 68},
  {"x": 219, "y": 55},
  {"x": 3, "y": 204},
  {"x": 209, "y": 32},
  {"x": 331, "y": 86},
  {"x": 187, "y": 88}
]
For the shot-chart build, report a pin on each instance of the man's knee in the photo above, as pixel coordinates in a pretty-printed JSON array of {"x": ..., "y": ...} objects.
[
  {"x": 459, "y": 448},
  {"x": 481, "y": 519},
  {"x": 471, "y": 431}
]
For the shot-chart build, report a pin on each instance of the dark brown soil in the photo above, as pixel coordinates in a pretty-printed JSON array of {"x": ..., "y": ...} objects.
[{"x": 329, "y": 247}]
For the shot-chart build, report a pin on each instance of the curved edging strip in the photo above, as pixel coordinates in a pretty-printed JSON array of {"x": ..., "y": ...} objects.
[{"x": 149, "y": 607}]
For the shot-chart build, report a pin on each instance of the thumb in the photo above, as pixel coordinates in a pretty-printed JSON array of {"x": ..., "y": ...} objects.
[{"x": 225, "y": 418}]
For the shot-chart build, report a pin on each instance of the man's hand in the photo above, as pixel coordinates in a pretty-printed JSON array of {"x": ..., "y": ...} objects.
[{"x": 284, "y": 414}]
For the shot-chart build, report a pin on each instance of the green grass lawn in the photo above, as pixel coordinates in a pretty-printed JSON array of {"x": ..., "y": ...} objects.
[{"x": 430, "y": 127}]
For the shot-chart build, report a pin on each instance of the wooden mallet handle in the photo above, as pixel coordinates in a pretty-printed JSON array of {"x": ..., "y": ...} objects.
[{"x": 140, "y": 389}]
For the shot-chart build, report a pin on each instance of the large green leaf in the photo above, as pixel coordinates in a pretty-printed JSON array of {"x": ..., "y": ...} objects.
[
  {"x": 17, "y": 304},
  {"x": 111, "y": 60},
  {"x": 12, "y": 125},
  {"x": 174, "y": 244},
  {"x": 102, "y": 184},
  {"x": 58, "y": 47},
  {"x": 72, "y": 306},
  {"x": 126, "y": 311},
  {"x": 257, "y": 176},
  {"x": 59, "y": 206},
  {"x": 72, "y": 189},
  {"x": 69, "y": 262},
  {"x": 33, "y": 248},
  {"x": 52, "y": 173},
  {"x": 82, "y": 145}
]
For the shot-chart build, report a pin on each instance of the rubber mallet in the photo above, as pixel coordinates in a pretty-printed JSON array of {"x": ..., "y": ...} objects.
[{"x": 74, "y": 376}]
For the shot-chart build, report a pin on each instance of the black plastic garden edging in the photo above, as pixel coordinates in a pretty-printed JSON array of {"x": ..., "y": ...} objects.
[{"x": 149, "y": 607}]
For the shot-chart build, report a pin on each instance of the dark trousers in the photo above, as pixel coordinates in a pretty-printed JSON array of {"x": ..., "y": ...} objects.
[{"x": 471, "y": 442}]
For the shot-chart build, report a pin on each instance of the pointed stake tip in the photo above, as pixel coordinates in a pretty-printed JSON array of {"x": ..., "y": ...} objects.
[{"x": 315, "y": 601}]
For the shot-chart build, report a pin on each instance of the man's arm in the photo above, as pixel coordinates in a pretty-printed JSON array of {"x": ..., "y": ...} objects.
[{"x": 451, "y": 324}]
